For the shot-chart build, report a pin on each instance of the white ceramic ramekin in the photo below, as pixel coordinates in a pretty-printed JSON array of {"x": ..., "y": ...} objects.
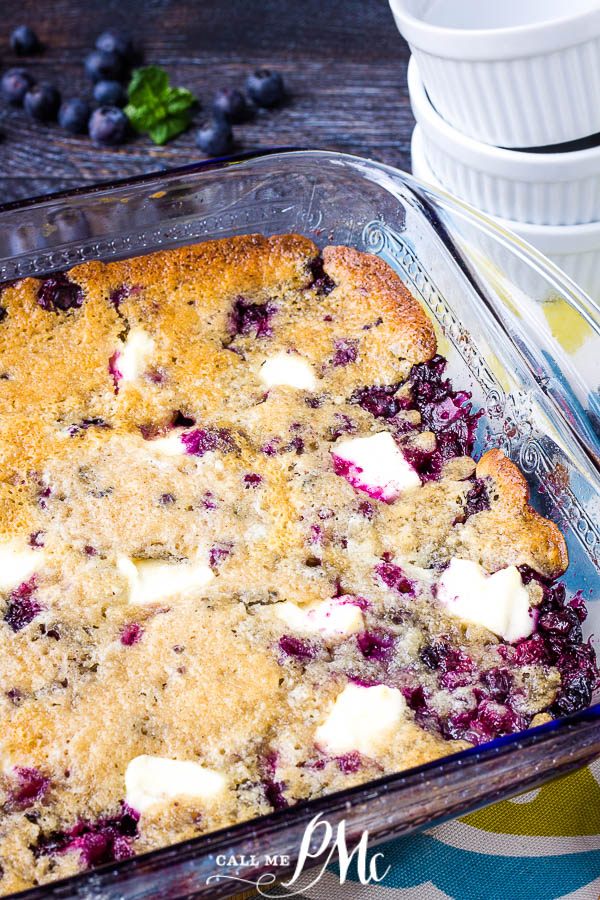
[
  {"x": 521, "y": 85},
  {"x": 573, "y": 248},
  {"x": 539, "y": 188}
]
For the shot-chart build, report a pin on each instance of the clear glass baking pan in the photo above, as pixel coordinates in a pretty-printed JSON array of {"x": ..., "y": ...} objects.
[{"x": 521, "y": 336}]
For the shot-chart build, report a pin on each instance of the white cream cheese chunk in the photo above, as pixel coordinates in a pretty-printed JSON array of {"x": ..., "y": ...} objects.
[
  {"x": 288, "y": 369},
  {"x": 153, "y": 580},
  {"x": 333, "y": 619},
  {"x": 362, "y": 719},
  {"x": 17, "y": 564},
  {"x": 499, "y": 602},
  {"x": 155, "y": 779},
  {"x": 137, "y": 350},
  {"x": 375, "y": 464},
  {"x": 171, "y": 445}
]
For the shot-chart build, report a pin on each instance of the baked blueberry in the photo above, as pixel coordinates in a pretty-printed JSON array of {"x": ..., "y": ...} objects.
[
  {"x": 74, "y": 115},
  {"x": 118, "y": 41},
  {"x": 42, "y": 101},
  {"x": 24, "y": 41},
  {"x": 110, "y": 93},
  {"x": 58, "y": 294},
  {"x": 101, "y": 65},
  {"x": 108, "y": 126},
  {"x": 215, "y": 137},
  {"x": 265, "y": 87},
  {"x": 230, "y": 104},
  {"x": 15, "y": 84}
]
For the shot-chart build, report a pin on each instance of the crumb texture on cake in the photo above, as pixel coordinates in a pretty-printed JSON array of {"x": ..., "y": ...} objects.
[{"x": 231, "y": 478}]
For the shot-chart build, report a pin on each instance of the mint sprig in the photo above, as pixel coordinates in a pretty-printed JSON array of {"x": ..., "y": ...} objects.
[{"x": 155, "y": 107}]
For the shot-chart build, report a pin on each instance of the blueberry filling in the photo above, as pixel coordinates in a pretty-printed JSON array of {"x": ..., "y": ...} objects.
[
  {"x": 349, "y": 763},
  {"x": 252, "y": 479},
  {"x": 380, "y": 400},
  {"x": 274, "y": 793},
  {"x": 559, "y": 642},
  {"x": 343, "y": 425},
  {"x": 477, "y": 500},
  {"x": 32, "y": 786},
  {"x": 121, "y": 293},
  {"x": 22, "y": 607},
  {"x": 206, "y": 440},
  {"x": 88, "y": 423},
  {"x": 296, "y": 647},
  {"x": 394, "y": 578},
  {"x": 346, "y": 352},
  {"x": 219, "y": 553},
  {"x": 3, "y": 313},
  {"x": 37, "y": 539},
  {"x": 445, "y": 412},
  {"x": 248, "y": 318},
  {"x": 376, "y": 645},
  {"x": 320, "y": 281},
  {"x": 131, "y": 634},
  {"x": 113, "y": 369},
  {"x": 104, "y": 841},
  {"x": 58, "y": 294}
]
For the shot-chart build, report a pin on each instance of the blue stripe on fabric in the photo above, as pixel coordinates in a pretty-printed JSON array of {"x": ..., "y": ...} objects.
[{"x": 466, "y": 875}]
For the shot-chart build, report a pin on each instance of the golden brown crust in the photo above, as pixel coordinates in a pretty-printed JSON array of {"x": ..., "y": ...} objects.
[
  {"x": 369, "y": 282},
  {"x": 216, "y": 675},
  {"x": 524, "y": 534}
]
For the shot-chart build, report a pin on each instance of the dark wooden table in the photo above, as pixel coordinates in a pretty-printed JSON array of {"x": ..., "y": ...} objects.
[{"x": 343, "y": 61}]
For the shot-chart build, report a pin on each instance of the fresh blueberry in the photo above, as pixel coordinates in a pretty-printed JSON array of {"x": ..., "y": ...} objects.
[
  {"x": 101, "y": 65},
  {"x": 265, "y": 87},
  {"x": 115, "y": 40},
  {"x": 74, "y": 116},
  {"x": 108, "y": 125},
  {"x": 215, "y": 137},
  {"x": 110, "y": 93},
  {"x": 24, "y": 41},
  {"x": 41, "y": 102},
  {"x": 230, "y": 104},
  {"x": 15, "y": 84}
]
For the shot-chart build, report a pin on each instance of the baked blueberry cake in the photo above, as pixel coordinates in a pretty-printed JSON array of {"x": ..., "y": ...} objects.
[{"x": 246, "y": 557}]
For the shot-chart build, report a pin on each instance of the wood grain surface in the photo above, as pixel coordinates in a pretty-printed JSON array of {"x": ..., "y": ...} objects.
[{"x": 343, "y": 61}]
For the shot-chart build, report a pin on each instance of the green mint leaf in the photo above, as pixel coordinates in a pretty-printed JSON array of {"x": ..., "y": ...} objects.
[
  {"x": 147, "y": 85},
  {"x": 156, "y": 108},
  {"x": 169, "y": 128}
]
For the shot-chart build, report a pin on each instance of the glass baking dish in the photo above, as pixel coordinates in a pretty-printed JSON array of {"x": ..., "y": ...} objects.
[{"x": 498, "y": 306}]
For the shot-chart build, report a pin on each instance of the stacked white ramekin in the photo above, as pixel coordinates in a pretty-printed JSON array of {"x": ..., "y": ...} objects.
[{"x": 488, "y": 82}]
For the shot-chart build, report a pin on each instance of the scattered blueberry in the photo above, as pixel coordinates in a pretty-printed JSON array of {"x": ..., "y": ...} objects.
[
  {"x": 230, "y": 104},
  {"x": 22, "y": 607},
  {"x": 320, "y": 281},
  {"x": 101, "y": 65},
  {"x": 32, "y": 786},
  {"x": 108, "y": 125},
  {"x": 345, "y": 352},
  {"x": 131, "y": 634},
  {"x": 215, "y": 137},
  {"x": 265, "y": 87},
  {"x": 108, "y": 839},
  {"x": 24, "y": 41},
  {"x": 58, "y": 293},
  {"x": 41, "y": 102},
  {"x": 297, "y": 647},
  {"x": 207, "y": 440},
  {"x": 74, "y": 115},
  {"x": 247, "y": 317},
  {"x": 15, "y": 84},
  {"x": 110, "y": 93},
  {"x": 116, "y": 40}
]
